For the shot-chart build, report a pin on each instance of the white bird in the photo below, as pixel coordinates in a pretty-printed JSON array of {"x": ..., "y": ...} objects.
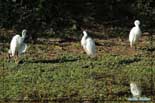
[
  {"x": 17, "y": 45},
  {"x": 135, "y": 90},
  {"x": 135, "y": 33},
  {"x": 88, "y": 45}
]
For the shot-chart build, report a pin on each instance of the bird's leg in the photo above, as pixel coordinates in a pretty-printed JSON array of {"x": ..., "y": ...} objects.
[
  {"x": 9, "y": 57},
  {"x": 15, "y": 57},
  {"x": 93, "y": 58},
  {"x": 131, "y": 45},
  {"x": 135, "y": 47},
  {"x": 138, "y": 97},
  {"x": 17, "y": 60}
]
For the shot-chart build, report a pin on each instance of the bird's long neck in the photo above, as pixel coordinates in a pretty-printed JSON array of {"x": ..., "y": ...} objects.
[
  {"x": 23, "y": 35},
  {"x": 85, "y": 35},
  {"x": 137, "y": 26}
]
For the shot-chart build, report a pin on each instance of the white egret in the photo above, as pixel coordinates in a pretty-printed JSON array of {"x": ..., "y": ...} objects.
[
  {"x": 135, "y": 90},
  {"x": 17, "y": 45},
  {"x": 88, "y": 45},
  {"x": 135, "y": 33}
]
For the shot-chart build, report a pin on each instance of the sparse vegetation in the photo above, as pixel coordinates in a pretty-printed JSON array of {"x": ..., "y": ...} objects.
[{"x": 64, "y": 72}]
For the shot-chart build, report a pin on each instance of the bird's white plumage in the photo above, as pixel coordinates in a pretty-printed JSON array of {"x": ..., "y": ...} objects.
[
  {"x": 22, "y": 49},
  {"x": 88, "y": 45},
  {"x": 135, "y": 33},
  {"x": 17, "y": 44},
  {"x": 135, "y": 90}
]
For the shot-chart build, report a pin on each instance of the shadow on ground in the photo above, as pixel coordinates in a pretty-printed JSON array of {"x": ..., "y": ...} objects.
[
  {"x": 61, "y": 60},
  {"x": 129, "y": 61}
]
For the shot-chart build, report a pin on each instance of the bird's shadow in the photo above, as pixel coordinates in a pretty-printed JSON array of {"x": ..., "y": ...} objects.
[
  {"x": 61, "y": 60},
  {"x": 129, "y": 61},
  {"x": 148, "y": 49}
]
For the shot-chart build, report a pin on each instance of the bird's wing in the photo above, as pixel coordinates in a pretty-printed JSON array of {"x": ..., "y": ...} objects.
[
  {"x": 91, "y": 42},
  {"x": 13, "y": 44},
  {"x": 14, "y": 39},
  {"x": 131, "y": 34},
  {"x": 91, "y": 48},
  {"x": 83, "y": 42},
  {"x": 139, "y": 33},
  {"x": 22, "y": 48}
]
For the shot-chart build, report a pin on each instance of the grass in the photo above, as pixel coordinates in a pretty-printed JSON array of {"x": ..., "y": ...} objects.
[{"x": 62, "y": 71}]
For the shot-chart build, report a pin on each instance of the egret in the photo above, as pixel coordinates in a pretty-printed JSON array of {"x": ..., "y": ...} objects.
[
  {"x": 135, "y": 33},
  {"x": 88, "y": 45},
  {"x": 135, "y": 90},
  {"x": 17, "y": 46}
]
